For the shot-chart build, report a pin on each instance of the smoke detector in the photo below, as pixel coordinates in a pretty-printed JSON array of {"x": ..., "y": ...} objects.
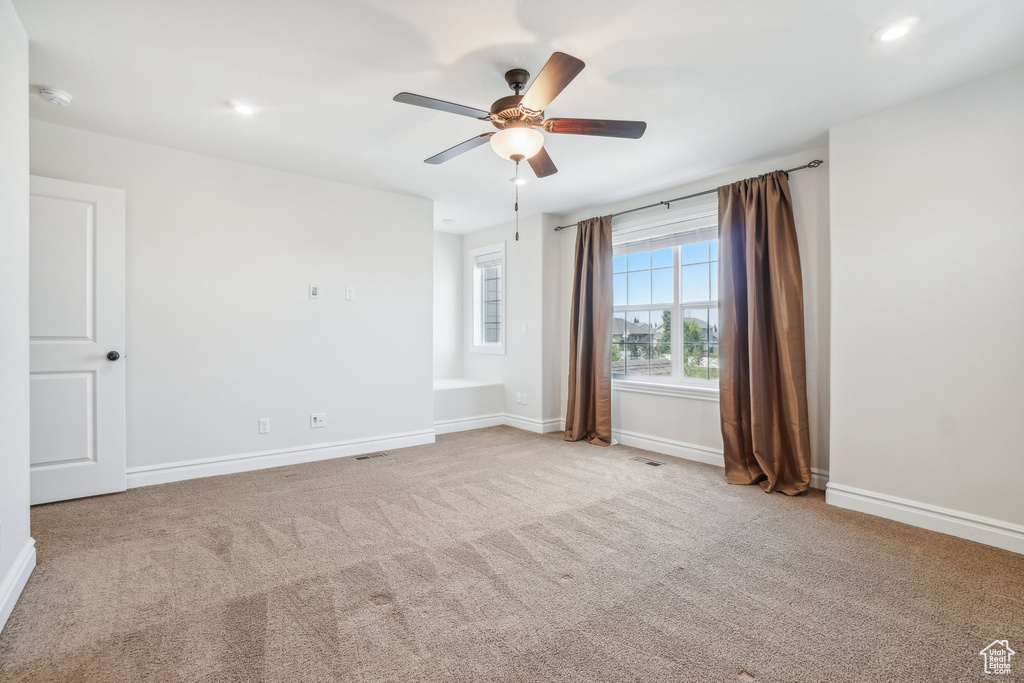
[{"x": 53, "y": 96}]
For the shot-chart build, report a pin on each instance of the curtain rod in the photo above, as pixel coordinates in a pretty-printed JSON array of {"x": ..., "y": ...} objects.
[{"x": 668, "y": 202}]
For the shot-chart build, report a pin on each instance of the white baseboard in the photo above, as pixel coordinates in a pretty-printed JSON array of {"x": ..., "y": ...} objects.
[
  {"x": 463, "y": 424},
  {"x": 677, "y": 449},
  {"x": 17, "y": 577},
  {"x": 480, "y": 421},
  {"x": 532, "y": 425},
  {"x": 245, "y": 462},
  {"x": 944, "y": 520}
]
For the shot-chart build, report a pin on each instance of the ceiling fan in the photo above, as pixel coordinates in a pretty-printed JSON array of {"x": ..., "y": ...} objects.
[{"x": 519, "y": 118}]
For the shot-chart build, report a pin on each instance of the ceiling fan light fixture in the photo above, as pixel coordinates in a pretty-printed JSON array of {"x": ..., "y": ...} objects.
[{"x": 518, "y": 141}]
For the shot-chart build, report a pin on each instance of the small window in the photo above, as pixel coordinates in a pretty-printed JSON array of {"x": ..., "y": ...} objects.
[{"x": 488, "y": 265}]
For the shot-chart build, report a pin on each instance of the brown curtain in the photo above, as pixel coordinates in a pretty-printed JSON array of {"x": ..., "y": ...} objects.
[
  {"x": 761, "y": 347},
  {"x": 588, "y": 414}
]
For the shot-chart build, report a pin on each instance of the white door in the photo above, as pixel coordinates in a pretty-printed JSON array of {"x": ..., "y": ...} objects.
[{"x": 76, "y": 328}]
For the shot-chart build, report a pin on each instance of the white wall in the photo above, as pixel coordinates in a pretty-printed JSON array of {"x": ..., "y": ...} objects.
[
  {"x": 530, "y": 364},
  {"x": 691, "y": 427},
  {"x": 15, "y": 544},
  {"x": 928, "y": 300},
  {"x": 221, "y": 331},
  {"x": 448, "y": 311}
]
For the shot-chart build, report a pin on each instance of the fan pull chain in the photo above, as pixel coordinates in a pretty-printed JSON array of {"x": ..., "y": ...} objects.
[{"x": 517, "y": 201}]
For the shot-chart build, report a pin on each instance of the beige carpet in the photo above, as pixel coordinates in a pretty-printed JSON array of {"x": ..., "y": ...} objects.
[{"x": 499, "y": 555}]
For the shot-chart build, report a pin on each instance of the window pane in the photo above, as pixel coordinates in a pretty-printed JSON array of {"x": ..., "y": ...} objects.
[
  {"x": 661, "y": 364},
  {"x": 639, "y": 289},
  {"x": 618, "y": 359},
  {"x": 695, "y": 361},
  {"x": 640, "y": 260},
  {"x": 661, "y": 340},
  {"x": 619, "y": 263},
  {"x": 714, "y": 282},
  {"x": 662, "y": 258},
  {"x": 638, "y": 328},
  {"x": 619, "y": 289},
  {"x": 695, "y": 325},
  {"x": 695, "y": 253},
  {"x": 638, "y": 359},
  {"x": 695, "y": 282},
  {"x": 713, "y": 348},
  {"x": 490, "y": 300},
  {"x": 714, "y": 249},
  {"x": 713, "y": 328},
  {"x": 661, "y": 287},
  {"x": 661, "y": 331},
  {"x": 618, "y": 328}
]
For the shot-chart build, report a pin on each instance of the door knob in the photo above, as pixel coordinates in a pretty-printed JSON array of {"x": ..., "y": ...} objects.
[{"x": 113, "y": 355}]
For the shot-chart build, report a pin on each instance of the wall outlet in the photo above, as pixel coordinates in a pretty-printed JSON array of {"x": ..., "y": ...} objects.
[
  {"x": 350, "y": 293},
  {"x": 316, "y": 420},
  {"x": 314, "y": 291},
  {"x": 519, "y": 398},
  {"x": 524, "y": 399},
  {"x": 264, "y": 425}
]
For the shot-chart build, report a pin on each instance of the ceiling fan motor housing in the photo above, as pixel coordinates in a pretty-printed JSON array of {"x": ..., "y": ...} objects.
[
  {"x": 517, "y": 78},
  {"x": 506, "y": 112}
]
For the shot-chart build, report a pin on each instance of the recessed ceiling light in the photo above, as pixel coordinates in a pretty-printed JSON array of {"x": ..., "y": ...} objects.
[
  {"x": 894, "y": 30},
  {"x": 244, "y": 109},
  {"x": 519, "y": 180},
  {"x": 448, "y": 221}
]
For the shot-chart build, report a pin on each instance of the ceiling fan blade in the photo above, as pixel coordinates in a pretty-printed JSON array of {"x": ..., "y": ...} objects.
[
  {"x": 441, "y": 105},
  {"x": 552, "y": 79},
  {"x": 458, "y": 149},
  {"x": 602, "y": 127},
  {"x": 542, "y": 165}
]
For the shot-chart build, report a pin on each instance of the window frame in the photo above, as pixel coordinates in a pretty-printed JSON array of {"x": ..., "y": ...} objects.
[
  {"x": 477, "y": 345},
  {"x": 691, "y": 217}
]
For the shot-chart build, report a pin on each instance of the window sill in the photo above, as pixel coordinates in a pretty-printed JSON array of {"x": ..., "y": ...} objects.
[
  {"x": 709, "y": 393},
  {"x": 487, "y": 349}
]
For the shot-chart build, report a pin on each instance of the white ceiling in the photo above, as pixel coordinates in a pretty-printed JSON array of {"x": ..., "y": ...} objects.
[{"x": 720, "y": 83}]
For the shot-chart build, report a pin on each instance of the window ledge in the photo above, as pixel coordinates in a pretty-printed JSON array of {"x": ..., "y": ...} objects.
[
  {"x": 487, "y": 349},
  {"x": 709, "y": 393}
]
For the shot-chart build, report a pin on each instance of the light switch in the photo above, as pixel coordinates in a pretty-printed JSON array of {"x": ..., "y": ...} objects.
[
  {"x": 350, "y": 293},
  {"x": 524, "y": 328},
  {"x": 314, "y": 291}
]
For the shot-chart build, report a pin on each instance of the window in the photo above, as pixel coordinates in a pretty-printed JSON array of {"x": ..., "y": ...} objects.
[
  {"x": 488, "y": 264},
  {"x": 665, "y": 323}
]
